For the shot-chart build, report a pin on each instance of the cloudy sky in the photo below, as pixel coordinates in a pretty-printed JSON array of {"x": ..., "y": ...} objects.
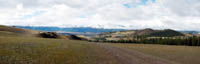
[{"x": 129, "y": 14}]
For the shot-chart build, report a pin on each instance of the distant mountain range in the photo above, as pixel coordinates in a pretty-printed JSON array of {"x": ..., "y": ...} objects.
[
  {"x": 69, "y": 29},
  {"x": 191, "y": 32},
  {"x": 82, "y": 29}
]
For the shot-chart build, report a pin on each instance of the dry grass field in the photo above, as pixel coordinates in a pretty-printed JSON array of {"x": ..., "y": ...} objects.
[
  {"x": 180, "y": 54},
  {"x": 21, "y": 50},
  {"x": 21, "y": 46}
]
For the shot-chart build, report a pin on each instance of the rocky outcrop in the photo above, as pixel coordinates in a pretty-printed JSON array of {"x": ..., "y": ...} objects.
[{"x": 48, "y": 35}]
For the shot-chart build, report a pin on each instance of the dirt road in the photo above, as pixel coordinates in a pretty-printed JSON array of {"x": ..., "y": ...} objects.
[{"x": 126, "y": 56}]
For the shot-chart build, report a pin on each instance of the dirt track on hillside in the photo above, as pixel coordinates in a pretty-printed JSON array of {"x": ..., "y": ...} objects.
[{"x": 126, "y": 56}]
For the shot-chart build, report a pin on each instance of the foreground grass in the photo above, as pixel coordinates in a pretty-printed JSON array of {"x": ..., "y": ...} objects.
[
  {"x": 23, "y": 50},
  {"x": 181, "y": 54},
  {"x": 8, "y": 34}
]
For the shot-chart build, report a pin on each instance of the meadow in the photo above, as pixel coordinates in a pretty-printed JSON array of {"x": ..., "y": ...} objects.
[
  {"x": 180, "y": 54},
  {"x": 29, "y": 50}
]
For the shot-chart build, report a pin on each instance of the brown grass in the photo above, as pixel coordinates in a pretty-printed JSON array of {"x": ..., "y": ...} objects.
[
  {"x": 21, "y": 46},
  {"x": 25, "y": 50},
  {"x": 180, "y": 54},
  {"x": 18, "y": 30}
]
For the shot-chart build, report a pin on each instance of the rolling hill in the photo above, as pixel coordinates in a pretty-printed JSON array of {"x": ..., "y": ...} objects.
[
  {"x": 5, "y": 30},
  {"x": 146, "y": 32},
  {"x": 137, "y": 35},
  {"x": 141, "y": 33},
  {"x": 19, "y": 32}
]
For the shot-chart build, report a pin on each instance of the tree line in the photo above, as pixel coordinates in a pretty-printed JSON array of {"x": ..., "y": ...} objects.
[{"x": 188, "y": 41}]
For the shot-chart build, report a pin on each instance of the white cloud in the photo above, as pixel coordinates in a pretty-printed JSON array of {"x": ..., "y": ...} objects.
[{"x": 162, "y": 14}]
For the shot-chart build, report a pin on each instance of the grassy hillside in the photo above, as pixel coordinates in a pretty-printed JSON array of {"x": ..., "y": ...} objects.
[
  {"x": 19, "y": 32},
  {"x": 11, "y": 34},
  {"x": 24, "y": 32},
  {"x": 19, "y": 50},
  {"x": 144, "y": 32},
  {"x": 166, "y": 33},
  {"x": 21, "y": 46}
]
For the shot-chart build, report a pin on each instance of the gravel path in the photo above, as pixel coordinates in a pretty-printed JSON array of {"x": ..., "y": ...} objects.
[{"x": 127, "y": 56}]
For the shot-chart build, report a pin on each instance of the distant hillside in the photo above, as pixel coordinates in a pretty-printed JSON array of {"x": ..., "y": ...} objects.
[
  {"x": 145, "y": 32},
  {"x": 69, "y": 29},
  {"x": 140, "y": 36},
  {"x": 5, "y": 30},
  {"x": 190, "y": 32},
  {"x": 14, "y": 31},
  {"x": 166, "y": 33}
]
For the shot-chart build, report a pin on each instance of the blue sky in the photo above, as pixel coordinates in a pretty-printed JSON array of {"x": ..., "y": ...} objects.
[{"x": 141, "y": 2}]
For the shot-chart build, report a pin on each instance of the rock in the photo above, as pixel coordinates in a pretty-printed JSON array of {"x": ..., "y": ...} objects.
[{"x": 49, "y": 34}]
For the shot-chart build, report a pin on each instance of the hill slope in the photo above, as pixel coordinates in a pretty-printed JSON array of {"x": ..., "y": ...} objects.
[
  {"x": 13, "y": 31},
  {"x": 6, "y": 30},
  {"x": 166, "y": 33},
  {"x": 144, "y": 32}
]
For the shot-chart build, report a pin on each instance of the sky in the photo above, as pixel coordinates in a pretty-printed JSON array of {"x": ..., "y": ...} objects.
[{"x": 127, "y": 14}]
